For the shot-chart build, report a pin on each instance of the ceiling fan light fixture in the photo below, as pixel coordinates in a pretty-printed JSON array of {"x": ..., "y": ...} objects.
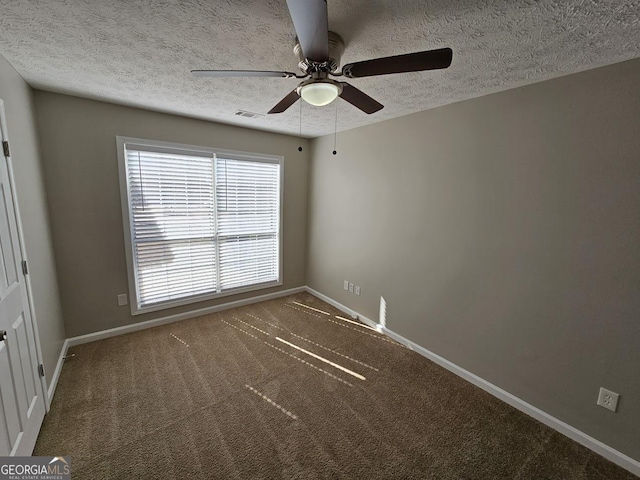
[{"x": 319, "y": 94}]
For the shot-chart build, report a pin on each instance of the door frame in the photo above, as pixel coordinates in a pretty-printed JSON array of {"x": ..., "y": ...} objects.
[{"x": 23, "y": 252}]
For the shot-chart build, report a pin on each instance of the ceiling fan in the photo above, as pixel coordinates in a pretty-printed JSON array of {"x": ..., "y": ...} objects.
[{"x": 319, "y": 52}]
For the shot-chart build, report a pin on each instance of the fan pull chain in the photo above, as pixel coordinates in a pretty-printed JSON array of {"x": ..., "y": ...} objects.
[
  {"x": 335, "y": 131},
  {"x": 300, "y": 134}
]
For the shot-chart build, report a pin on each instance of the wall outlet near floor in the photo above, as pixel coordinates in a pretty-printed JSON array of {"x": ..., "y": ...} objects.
[
  {"x": 608, "y": 399},
  {"x": 346, "y": 284},
  {"x": 350, "y": 287},
  {"x": 122, "y": 300},
  {"x": 357, "y": 290}
]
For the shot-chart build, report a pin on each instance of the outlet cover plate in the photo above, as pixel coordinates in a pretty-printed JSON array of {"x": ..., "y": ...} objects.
[
  {"x": 608, "y": 399},
  {"x": 350, "y": 287},
  {"x": 122, "y": 300},
  {"x": 346, "y": 284}
]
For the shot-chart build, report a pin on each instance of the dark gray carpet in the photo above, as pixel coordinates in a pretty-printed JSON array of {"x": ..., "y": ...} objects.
[{"x": 220, "y": 397}]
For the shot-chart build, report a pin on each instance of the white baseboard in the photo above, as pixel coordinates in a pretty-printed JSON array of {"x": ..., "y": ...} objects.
[
  {"x": 56, "y": 373},
  {"x": 113, "y": 332},
  {"x": 582, "y": 438},
  {"x": 342, "y": 307}
]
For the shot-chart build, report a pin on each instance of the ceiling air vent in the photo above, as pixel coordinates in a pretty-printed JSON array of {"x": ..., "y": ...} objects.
[{"x": 244, "y": 113}]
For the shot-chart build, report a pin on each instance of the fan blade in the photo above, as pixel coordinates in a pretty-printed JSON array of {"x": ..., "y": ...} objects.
[
  {"x": 359, "y": 99},
  {"x": 240, "y": 73},
  {"x": 286, "y": 102},
  {"x": 312, "y": 27},
  {"x": 411, "y": 62}
]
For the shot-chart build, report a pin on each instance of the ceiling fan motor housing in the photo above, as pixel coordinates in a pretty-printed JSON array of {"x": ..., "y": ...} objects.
[{"x": 336, "y": 49}]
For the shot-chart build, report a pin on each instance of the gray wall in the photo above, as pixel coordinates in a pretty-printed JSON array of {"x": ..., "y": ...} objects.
[
  {"x": 81, "y": 172},
  {"x": 504, "y": 234},
  {"x": 18, "y": 102}
]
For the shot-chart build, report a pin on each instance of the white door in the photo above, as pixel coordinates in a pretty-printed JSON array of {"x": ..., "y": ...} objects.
[{"x": 22, "y": 404}]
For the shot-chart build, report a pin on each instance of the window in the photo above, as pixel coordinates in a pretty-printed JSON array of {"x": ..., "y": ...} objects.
[{"x": 199, "y": 223}]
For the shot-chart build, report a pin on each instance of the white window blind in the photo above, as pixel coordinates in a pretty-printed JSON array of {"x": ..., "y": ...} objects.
[
  {"x": 201, "y": 224},
  {"x": 248, "y": 218}
]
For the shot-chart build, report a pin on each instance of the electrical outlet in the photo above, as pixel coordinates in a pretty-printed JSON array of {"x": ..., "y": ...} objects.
[
  {"x": 357, "y": 290},
  {"x": 608, "y": 399},
  {"x": 346, "y": 284},
  {"x": 350, "y": 287},
  {"x": 122, "y": 300}
]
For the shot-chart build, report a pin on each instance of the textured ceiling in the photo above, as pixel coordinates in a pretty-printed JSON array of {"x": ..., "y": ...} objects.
[{"x": 140, "y": 52}]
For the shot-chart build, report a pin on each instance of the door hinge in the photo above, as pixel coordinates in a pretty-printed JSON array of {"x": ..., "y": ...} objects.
[
  {"x": 5, "y": 148},
  {"x": 25, "y": 268},
  {"x": 41, "y": 370}
]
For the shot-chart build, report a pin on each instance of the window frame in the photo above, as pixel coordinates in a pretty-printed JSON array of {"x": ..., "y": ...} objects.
[{"x": 121, "y": 143}]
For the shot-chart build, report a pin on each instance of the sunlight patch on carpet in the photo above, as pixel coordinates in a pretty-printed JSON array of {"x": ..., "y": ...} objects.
[
  {"x": 311, "y": 308},
  {"x": 302, "y": 310},
  {"x": 322, "y": 359},
  {"x": 365, "y": 333},
  {"x": 334, "y": 352},
  {"x": 249, "y": 325},
  {"x": 292, "y": 356},
  {"x": 271, "y": 402},
  {"x": 356, "y": 323},
  {"x": 268, "y": 323},
  {"x": 179, "y": 339}
]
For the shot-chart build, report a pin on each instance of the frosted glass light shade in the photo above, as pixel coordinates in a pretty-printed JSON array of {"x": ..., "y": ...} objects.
[{"x": 319, "y": 94}]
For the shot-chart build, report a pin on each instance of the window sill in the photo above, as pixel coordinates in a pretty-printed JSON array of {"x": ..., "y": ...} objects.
[{"x": 201, "y": 298}]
